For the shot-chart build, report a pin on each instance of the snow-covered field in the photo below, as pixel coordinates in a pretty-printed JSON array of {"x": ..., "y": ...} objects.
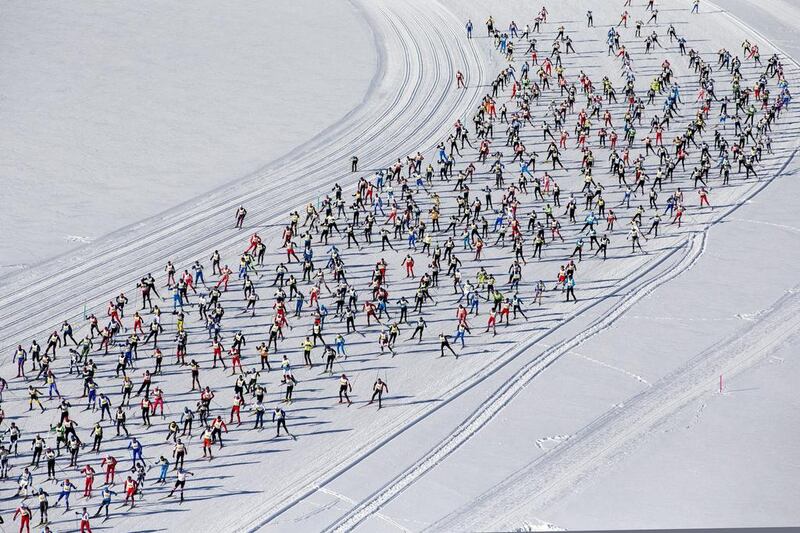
[
  {"x": 602, "y": 414},
  {"x": 114, "y": 113}
]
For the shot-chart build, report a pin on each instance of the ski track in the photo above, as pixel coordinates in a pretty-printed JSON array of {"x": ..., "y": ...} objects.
[
  {"x": 351, "y": 501},
  {"x": 500, "y": 359},
  {"x": 35, "y": 300},
  {"x": 637, "y": 377}
]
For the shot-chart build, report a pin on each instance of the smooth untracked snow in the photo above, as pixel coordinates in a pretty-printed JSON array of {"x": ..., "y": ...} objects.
[{"x": 113, "y": 113}]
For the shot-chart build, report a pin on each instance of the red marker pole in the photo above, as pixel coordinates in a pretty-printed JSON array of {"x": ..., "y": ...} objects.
[{"x": 720, "y": 383}]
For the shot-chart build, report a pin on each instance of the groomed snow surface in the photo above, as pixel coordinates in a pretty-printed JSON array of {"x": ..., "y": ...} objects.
[{"x": 602, "y": 414}]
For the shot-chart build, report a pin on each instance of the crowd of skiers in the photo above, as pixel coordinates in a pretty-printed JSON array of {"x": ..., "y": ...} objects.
[{"x": 424, "y": 225}]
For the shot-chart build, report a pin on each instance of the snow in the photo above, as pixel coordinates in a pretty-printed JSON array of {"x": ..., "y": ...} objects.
[
  {"x": 117, "y": 114},
  {"x": 720, "y": 461},
  {"x": 601, "y": 414}
]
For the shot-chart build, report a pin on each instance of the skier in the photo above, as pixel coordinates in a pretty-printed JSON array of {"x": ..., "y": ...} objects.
[
  {"x": 344, "y": 388},
  {"x": 377, "y": 392},
  {"x": 180, "y": 482}
]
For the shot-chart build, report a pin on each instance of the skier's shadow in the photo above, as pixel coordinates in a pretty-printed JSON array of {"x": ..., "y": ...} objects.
[
  {"x": 415, "y": 402},
  {"x": 343, "y": 430},
  {"x": 222, "y": 465},
  {"x": 375, "y": 368},
  {"x": 249, "y": 453}
]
